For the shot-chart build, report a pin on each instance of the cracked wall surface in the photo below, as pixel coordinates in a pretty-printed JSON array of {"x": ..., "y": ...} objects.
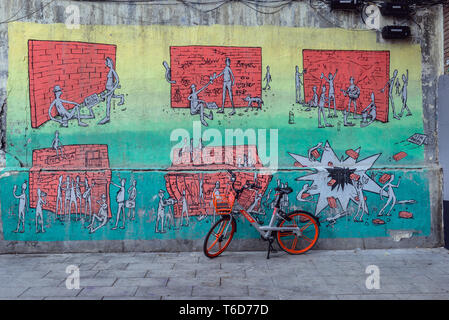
[{"x": 143, "y": 175}]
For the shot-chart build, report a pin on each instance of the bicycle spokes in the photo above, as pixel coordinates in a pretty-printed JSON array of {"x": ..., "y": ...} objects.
[
  {"x": 302, "y": 239},
  {"x": 219, "y": 237}
]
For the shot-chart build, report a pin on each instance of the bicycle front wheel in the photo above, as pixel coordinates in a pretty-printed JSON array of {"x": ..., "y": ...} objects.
[
  {"x": 219, "y": 237},
  {"x": 309, "y": 228}
]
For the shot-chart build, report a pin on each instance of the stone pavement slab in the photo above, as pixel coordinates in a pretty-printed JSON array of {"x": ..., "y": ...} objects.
[{"x": 421, "y": 274}]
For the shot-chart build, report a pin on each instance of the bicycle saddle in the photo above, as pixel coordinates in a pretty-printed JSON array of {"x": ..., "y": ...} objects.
[{"x": 284, "y": 190}]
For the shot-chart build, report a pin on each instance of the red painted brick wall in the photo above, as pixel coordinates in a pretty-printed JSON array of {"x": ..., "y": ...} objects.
[
  {"x": 215, "y": 158},
  {"x": 370, "y": 69},
  {"x": 195, "y": 64},
  {"x": 74, "y": 157},
  {"x": 225, "y": 158},
  {"x": 85, "y": 161},
  {"x": 176, "y": 183},
  {"x": 77, "y": 67}
]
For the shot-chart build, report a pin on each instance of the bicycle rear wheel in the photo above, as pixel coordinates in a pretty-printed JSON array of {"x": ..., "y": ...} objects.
[
  {"x": 310, "y": 231},
  {"x": 219, "y": 237}
]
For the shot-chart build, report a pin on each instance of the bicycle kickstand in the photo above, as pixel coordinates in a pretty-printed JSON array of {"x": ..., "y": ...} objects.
[{"x": 270, "y": 248}]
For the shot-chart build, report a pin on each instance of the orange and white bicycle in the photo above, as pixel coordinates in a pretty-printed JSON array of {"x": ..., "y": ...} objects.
[{"x": 296, "y": 232}]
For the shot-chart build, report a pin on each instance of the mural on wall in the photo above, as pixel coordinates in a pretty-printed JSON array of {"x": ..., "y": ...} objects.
[
  {"x": 98, "y": 149},
  {"x": 83, "y": 73},
  {"x": 229, "y": 76},
  {"x": 352, "y": 79},
  {"x": 341, "y": 181}
]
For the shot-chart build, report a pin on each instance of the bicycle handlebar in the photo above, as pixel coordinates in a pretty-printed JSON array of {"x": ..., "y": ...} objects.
[{"x": 245, "y": 186}]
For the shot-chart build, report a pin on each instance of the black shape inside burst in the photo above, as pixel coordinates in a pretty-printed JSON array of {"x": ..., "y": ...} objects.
[{"x": 342, "y": 176}]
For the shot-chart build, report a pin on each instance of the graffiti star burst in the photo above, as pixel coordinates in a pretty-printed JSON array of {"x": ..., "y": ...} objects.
[{"x": 333, "y": 177}]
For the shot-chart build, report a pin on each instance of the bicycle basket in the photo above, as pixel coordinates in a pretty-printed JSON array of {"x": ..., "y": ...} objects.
[{"x": 223, "y": 204}]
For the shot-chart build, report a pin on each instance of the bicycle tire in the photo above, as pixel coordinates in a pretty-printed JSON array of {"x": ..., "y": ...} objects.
[
  {"x": 288, "y": 241},
  {"x": 217, "y": 237}
]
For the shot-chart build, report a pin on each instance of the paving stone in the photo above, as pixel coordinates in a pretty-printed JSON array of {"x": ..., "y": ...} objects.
[
  {"x": 11, "y": 292},
  {"x": 143, "y": 282},
  {"x": 110, "y": 266},
  {"x": 186, "y": 274},
  {"x": 174, "y": 282},
  {"x": 179, "y": 291},
  {"x": 108, "y": 291},
  {"x": 62, "y": 275},
  {"x": 120, "y": 273},
  {"x": 229, "y": 291},
  {"x": 28, "y": 282},
  {"x": 404, "y": 273},
  {"x": 50, "y": 292},
  {"x": 150, "y": 266}
]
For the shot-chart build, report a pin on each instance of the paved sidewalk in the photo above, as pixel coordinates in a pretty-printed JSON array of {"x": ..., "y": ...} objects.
[{"x": 404, "y": 274}]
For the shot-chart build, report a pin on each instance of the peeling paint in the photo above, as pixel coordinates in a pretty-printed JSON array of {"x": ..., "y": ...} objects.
[{"x": 398, "y": 235}]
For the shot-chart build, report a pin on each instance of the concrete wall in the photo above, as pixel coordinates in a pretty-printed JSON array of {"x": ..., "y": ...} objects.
[
  {"x": 446, "y": 38},
  {"x": 372, "y": 185}
]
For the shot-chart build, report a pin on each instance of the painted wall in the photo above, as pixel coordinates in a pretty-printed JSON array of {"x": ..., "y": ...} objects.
[{"x": 120, "y": 134}]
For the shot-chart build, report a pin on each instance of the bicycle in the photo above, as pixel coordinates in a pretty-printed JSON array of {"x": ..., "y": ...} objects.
[{"x": 296, "y": 232}]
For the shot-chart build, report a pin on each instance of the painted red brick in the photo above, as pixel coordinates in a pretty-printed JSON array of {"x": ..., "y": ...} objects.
[
  {"x": 400, "y": 155},
  {"x": 370, "y": 70},
  {"x": 351, "y": 153},
  {"x": 315, "y": 154},
  {"x": 195, "y": 64},
  {"x": 69, "y": 65},
  {"x": 177, "y": 182},
  {"x": 85, "y": 161},
  {"x": 405, "y": 215},
  {"x": 385, "y": 177}
]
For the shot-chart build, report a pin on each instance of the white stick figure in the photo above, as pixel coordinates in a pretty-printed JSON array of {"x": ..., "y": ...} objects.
[
  {"x": 185, "y": 209},
  {"x": 102, "y": 215},
  {"x": 358, "y": 186},
  {"x": 64, "y": 114},
  {"x": 41, "y": 200},
  {"x": 131, "y": 202},
  {"x": 78, "y": 195},
  {"x": 331, "y": 97},
  {"x": 112, "y": 84},
  {"x": 197, "y": 105},
  {"x": 303, "y": 196},
  {"x": 67, "y": 198},
  {"x": 120, "y": 198},
  {"x": 390, "y": 193},
  {"x": 56, "y": 144},
  {"x": 59, "y": 201},
  {"x": 321, "y": 112},
  {"x": 228, "y": 83},
  {"x": 369, "y": 113},
  {"x": 87, "y": 197},
  {"x": 22, "y": 207},
  {"x": 73, "y": 200},
  {"x": 268, "y": 79},
  {"x": 314, "y": 101},
  {"x": 404, "y": 96},
  {"x": 160, "y": 219},
  {"x": 390, "y": 83}
]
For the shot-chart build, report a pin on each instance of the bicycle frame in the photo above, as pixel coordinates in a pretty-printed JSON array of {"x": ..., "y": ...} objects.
[{"x": 267, "y": 230}]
